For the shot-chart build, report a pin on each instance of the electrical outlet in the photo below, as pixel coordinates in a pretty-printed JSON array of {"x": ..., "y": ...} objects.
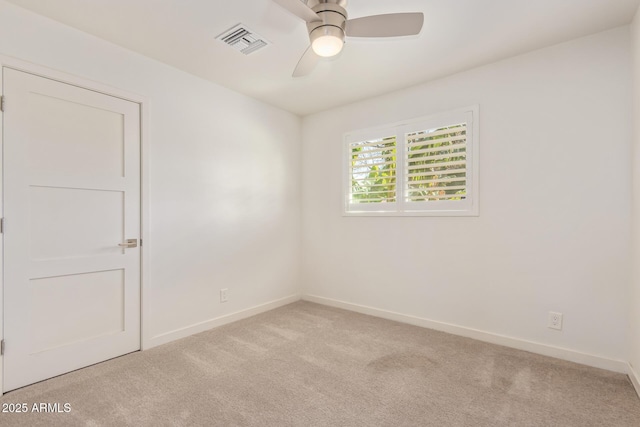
[
  {"x": 555, "y": 320},
  {"x": 224, "y": 297}
]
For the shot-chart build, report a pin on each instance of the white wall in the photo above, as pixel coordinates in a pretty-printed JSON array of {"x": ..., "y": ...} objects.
[
  {"x": 553, "y": 230},
  {"x": 634, "y": 337},
  {"x": 224, "y": 188}
]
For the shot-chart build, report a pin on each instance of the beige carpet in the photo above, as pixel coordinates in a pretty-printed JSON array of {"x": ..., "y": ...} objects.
[{"x": 310, "y": 365}]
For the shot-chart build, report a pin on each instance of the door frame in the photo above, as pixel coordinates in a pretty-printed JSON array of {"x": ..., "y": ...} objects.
[{"x": 143, "y": 102}]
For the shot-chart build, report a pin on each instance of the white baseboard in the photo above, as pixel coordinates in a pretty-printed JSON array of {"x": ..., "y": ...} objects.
[
  {"x": 635, "y": 380},
  {"x": 218, "y": 321},
  {"x": 533, "y": 347}
]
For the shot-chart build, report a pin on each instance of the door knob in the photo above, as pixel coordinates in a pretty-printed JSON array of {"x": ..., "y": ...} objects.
[{"x": 130, "y": 243}]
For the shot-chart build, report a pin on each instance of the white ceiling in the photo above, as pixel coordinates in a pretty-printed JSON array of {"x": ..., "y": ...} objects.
[{"x": 458, "y": 35}]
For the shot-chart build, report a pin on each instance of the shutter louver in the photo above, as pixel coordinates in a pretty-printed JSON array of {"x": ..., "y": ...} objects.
[
  {"x": 372, "y": 171},
  {"x": 436, "y": 164}
]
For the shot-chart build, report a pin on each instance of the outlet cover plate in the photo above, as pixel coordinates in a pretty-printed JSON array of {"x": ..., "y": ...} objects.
[{"x": 555, "y": 320}]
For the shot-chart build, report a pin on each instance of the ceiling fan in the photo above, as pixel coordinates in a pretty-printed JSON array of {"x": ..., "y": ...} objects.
[{"x": 328, "y": 25}]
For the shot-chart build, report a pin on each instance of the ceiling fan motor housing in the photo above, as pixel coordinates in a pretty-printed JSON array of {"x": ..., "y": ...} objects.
[{"x": 334, "y": 17}]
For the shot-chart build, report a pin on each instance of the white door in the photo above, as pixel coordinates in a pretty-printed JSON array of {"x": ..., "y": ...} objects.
[{"x": 71, "y": 196}]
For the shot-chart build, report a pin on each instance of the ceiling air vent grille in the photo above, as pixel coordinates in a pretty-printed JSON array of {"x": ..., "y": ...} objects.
[{"x": 243, "y": 39}]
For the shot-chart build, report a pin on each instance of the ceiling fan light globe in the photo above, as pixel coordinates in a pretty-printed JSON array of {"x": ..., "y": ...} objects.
[
  {"x": 327, "y": 46},
  {"x": 327, "y": 40}
]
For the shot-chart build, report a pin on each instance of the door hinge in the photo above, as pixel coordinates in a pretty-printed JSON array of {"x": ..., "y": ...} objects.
[
  {"x": 1, "y": 225},
  {"x": 2, "y": 348},
  {"x": 1, "y": 103}
]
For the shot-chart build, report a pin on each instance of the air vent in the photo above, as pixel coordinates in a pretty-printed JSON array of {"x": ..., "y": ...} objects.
[{"x": 243, "y": 39}]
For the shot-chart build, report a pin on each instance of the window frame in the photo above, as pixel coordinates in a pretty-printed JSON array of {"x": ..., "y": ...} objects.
[{"x": 467, "y": 207}]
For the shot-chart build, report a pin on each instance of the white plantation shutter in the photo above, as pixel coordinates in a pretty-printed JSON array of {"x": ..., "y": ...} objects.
[
  {"x": 372, "y": 171},
  {"x": 436, "y": 164},
  {"x": 427, "y": 166}
]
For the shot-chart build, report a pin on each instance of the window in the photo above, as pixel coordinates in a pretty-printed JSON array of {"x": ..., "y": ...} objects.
[{"x": 427, "y": 166}]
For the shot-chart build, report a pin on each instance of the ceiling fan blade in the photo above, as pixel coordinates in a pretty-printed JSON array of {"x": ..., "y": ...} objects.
[
  {"x": 299, "y": 9},
  {"x": 306, "y": 64},
  {"x": 391, "y": 25}
]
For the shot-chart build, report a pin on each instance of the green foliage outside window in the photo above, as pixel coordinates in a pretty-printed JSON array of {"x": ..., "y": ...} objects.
[{"x": 373, "y": 171}]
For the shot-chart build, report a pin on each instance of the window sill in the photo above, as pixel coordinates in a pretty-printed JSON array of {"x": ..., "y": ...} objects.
[{"x": 440, "y": 213}]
